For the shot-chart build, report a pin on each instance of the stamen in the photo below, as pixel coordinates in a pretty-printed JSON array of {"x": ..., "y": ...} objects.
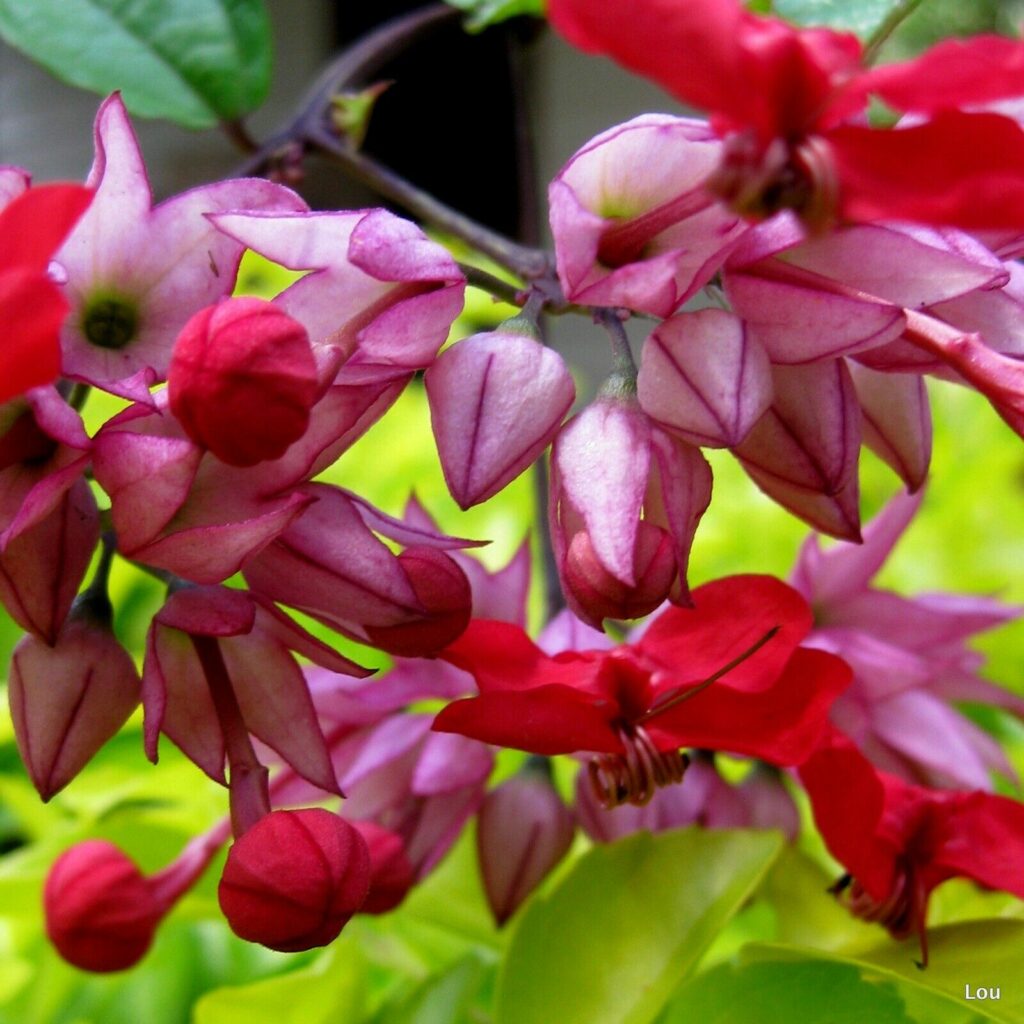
[
  {"x": 674, "y": 697},
  {"x": 901, "y": 912},
  {"x": 635, "y": 776}
]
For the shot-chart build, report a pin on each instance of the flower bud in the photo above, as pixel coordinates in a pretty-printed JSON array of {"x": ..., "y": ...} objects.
[
  {"x": 523, "y": 831},
  {"x": 496, "y": 402},
  {"x": 293, "y": 880},
  {"x": 242, "y": 380},
  {"x": 391, "y": 871},
  {"x": 69, "y": 699},
  {"x": 100, "y": 911}
]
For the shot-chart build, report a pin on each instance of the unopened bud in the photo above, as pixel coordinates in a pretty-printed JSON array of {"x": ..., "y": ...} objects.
[
  {"x": 523, "y": 831},
  {"x": 101, "y": 912},
  {"x": 294, "y": 879},
  {"x": 391, "y": 871},
  {"x": 69, "y": 699},
  {"x": 242, "y": 380}
]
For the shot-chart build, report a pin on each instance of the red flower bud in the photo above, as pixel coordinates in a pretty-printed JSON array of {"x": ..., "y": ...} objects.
[
  {"x": 294, "y": 879},
  {"x": 391, "y": 871},
  {"x": 242, "y": 380},
  {"x": 100, "y": 911}
]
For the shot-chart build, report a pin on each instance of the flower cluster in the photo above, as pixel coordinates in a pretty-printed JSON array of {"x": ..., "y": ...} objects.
[{"x": 833, "y": 275}]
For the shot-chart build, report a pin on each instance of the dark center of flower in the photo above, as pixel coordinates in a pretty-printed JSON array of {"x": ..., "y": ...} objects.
[
  {"x": 110, "y": 322},
  {"x": 758, "y": 182},
  {"x": 633, "y": 776}
]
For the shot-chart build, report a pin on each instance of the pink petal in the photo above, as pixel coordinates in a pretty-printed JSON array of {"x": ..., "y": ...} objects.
[
  {"x": 276, "y": 705},
  {"x": 449, "y": 762},
  {"x": 702, "y": 377},
  {"x": 896, "y": 421},
  {"x": 42, "y": 567},
  {"x": 603, "y": 459},
  {"x": 803, "y": 452},
  {"x": 496, "y": 402},
  {"x": 800, "y": 317},
  {"x": 69, "y": 699},
  {"x": 679, "y": 495},
  {"x": 905, "y": 265}
]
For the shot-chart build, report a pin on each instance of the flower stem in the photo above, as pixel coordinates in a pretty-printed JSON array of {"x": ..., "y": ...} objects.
[
  {"x": 625, "y": 364},
  {"x": 889, "y": 24},
  {"x": 249, "y": 793}
]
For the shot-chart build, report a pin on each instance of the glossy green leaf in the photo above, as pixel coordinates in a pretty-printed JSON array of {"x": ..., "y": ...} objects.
[
  {"x": 626, "y": 925},
  {"x": 979, "y": 954},
  {"x": 446, "y": 998},
  {"x": 860, "y": 16},
  {"x": 192, "y": 61},
  {"x": 330, "y": 990},
  {"x": 782, "y": 993}
]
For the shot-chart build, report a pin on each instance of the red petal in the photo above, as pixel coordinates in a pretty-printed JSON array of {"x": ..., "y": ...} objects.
[
  {"x": 31, "y": 310},
  {"x": 958, "y": 169},
  {"x": 728, "y": 617},
  {"x": 688, "y": 48},
  {"x": 751, "y": 71},
  {"x": 553, "y": 719},
  {"x": 956, "y": 73},
  {"x": 781, "y": 724},
  {"x": 987, "y": 842},
  {"x": 34, "y": 224},
  {"x": 847, "y": 798},
  {"x": 500, "y": 656}
]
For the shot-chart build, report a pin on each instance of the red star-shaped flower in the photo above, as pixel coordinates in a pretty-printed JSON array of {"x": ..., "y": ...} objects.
[
  {"x": 899, "y": 841},
  {"x": 726, "y": 674}
]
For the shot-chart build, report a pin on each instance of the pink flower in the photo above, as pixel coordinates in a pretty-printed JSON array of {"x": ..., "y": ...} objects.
[
  {"x": 134, "y": 273},
  {"x": 632, "y": 221},
  {"x": 626, "y": 498},
  {"x": 330, "y": 564},
  {"x": 211, "y": 644},
  {"x": 909, "y": 659}
]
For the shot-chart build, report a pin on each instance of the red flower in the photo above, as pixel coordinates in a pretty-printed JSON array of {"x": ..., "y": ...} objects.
[
  {"x": 899, "y": 841},
  {"x": 784, "y": 98},
  {"x": 638, "y": 704},
  {"x": 32, "y": 308}
]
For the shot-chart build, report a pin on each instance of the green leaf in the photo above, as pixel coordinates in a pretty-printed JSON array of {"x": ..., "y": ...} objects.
[
  {"x": 976, "y": 953},
  {"x": 783, "y": 993},
  {"x": 330, "y": 990},
  {"x": 489, "y": 12},
  {"x": 626, "y": 925},
  {"x": 192, "y": 61},
  {"x": 860, "y": 16},
  {"x": 446, "y": 998}
]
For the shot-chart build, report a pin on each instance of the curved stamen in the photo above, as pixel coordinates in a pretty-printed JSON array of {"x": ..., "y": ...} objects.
[{"x": 634, "y": 776}]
